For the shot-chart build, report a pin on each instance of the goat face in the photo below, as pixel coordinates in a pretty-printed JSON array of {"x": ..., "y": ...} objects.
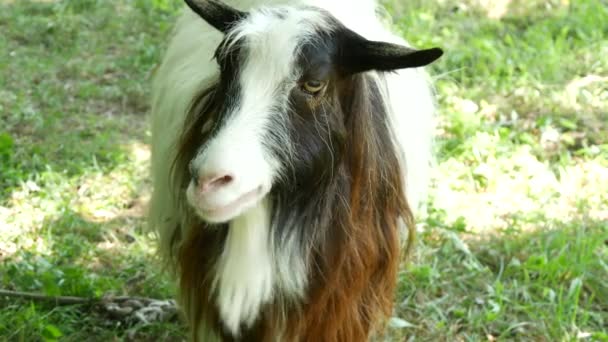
[{"x": 276, "y": 115}]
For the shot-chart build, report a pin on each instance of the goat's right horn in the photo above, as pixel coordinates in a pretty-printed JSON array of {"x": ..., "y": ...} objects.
[{"x": 216, "y": 13}]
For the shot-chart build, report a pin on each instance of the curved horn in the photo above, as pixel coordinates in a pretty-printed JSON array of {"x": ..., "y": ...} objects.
[
  {"x": 359, "y": 54},
  {"x": 216, "y": 13}
]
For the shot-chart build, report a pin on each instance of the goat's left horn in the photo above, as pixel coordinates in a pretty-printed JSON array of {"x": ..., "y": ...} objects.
[{"x": 216, "y": 13}]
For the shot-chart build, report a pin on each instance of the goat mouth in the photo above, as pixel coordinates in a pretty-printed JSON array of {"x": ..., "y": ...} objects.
[{"x": 226, "y": 212}]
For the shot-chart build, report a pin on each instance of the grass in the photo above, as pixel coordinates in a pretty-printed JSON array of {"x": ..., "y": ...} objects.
[{"x": 515, "y": 242}]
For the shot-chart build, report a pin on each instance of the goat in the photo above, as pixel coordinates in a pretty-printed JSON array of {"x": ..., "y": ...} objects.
[{"x": 280, "y": 190}]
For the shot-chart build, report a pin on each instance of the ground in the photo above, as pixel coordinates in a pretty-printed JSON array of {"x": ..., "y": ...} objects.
[{"x": 514, "y": 245}]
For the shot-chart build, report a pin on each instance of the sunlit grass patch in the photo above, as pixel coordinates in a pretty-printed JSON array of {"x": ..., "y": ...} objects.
[
  {"x": 493, "y": 187},
  {"x": 514, "y": 245},
  {"x": 533, "y": 70},
  {"x": 524, "y": 112}
]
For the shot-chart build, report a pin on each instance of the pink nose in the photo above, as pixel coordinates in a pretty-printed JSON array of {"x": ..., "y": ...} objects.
[{"x": 210, "y": 183}]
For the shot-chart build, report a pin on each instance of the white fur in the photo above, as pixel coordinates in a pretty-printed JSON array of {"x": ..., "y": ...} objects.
[
  {"x": 245, "y": 275},
  {"x": 252, "y": 270}
]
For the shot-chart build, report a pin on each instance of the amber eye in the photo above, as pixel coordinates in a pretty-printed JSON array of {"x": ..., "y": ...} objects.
[{"x": 313, "y": 87}]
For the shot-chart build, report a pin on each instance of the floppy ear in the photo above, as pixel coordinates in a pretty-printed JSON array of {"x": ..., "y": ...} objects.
[
  {"x": 358, "y": 54},
  {"x": 216, "y": 13}
]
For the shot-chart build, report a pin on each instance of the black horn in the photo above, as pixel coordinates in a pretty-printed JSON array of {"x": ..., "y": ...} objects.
[
  {"x": 216, "y": 13},
  {"x": 359, "y": 54}
]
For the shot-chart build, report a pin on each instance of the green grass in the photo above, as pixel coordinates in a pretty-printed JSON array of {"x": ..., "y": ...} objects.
[
  {"x": 515, "y": 242},
  {"x": 73, "y": 172}
]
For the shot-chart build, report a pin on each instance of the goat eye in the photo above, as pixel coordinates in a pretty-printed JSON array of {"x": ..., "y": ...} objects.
[{"x": 313, "y": 87}]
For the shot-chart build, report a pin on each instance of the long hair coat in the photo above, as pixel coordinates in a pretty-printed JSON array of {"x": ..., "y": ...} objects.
[{"x": 315, "y": 257}]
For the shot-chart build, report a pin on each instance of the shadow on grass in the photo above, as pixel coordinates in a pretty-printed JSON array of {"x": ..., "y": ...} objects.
[{"x": 74, "y": 84}]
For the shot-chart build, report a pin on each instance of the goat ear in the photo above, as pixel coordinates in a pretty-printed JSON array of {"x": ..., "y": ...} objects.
[
  {"x": 359, "y": 54},
  {"x": 216, "y": 13}
]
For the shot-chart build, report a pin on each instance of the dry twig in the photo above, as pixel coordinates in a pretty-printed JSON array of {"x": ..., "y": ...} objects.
[{"x": 140, "y": 309}]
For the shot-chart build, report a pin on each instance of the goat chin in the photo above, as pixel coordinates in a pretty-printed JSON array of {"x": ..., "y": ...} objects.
[{"x": 253, "y": 280}]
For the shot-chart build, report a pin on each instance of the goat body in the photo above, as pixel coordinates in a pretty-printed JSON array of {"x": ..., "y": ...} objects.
[{"x": 279, "y": 170}]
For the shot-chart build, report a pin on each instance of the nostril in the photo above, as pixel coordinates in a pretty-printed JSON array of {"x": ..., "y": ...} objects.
[
  {"x": 215, "y": 182},
  {"x": 222, "y": 180}
]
